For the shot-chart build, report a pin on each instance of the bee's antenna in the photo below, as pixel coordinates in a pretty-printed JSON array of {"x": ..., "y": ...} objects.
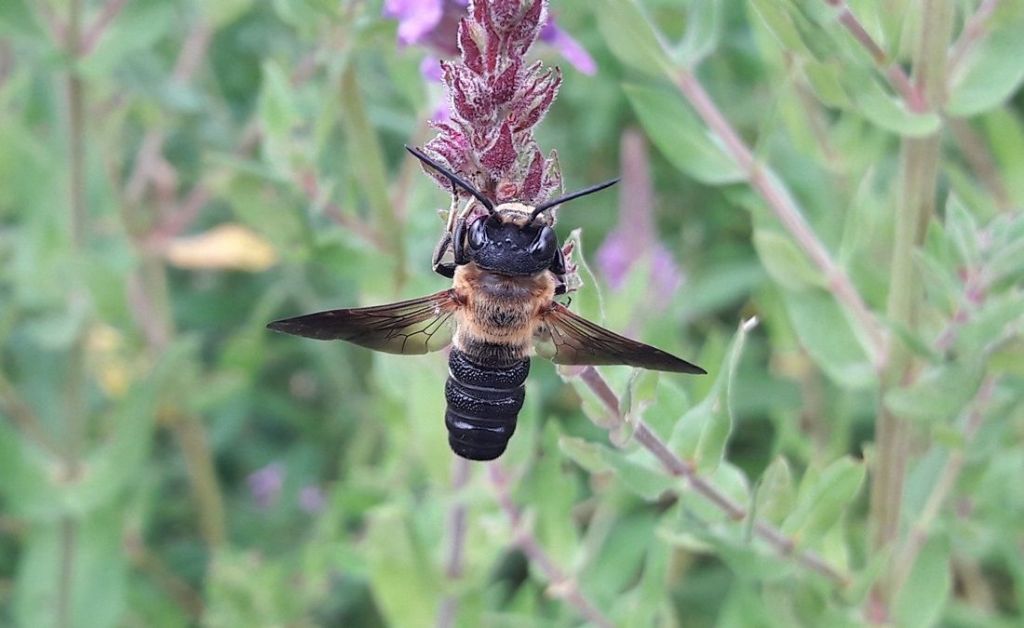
[
  {"x": 568, "y": 197},
  {"x": 462, "y": 183}
]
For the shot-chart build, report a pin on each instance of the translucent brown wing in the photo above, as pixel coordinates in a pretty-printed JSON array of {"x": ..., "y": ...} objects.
[
  {"x": 408, "y": 327},
  {"x": 578, "y": 341}
]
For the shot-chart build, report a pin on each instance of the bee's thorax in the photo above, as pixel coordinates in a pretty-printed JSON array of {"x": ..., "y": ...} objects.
[{"x": 500, "y": 312}]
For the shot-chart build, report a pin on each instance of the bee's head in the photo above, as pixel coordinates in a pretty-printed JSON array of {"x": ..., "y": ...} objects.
[
  {"x": 511, "y": 242},
  {"x": 513, "y": 238}
]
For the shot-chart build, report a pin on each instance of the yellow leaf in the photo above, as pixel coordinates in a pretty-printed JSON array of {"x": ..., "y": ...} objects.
[{"x": 225, "y": 247}]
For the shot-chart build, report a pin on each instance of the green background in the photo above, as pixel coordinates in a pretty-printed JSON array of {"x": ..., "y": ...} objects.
[{"x": 140, "y": 392}]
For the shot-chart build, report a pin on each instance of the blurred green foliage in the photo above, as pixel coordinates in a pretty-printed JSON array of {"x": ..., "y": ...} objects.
[{"x": 165, "y": 461}]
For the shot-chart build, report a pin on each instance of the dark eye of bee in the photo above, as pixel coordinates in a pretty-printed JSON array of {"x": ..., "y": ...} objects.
[
  {"x": 477, "y": 234},
  {"x": 543, "y": 246}
]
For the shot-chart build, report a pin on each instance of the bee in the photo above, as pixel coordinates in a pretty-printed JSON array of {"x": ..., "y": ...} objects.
[{"x": 506, "y": 267}]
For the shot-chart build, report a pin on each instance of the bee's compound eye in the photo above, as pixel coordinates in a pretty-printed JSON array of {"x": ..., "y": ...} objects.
[
  {"x": 477, "y": 235},
  {"x": 544, "y": 244}
]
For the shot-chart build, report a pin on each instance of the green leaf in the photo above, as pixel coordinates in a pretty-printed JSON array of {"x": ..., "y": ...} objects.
[
  {"x": 31, "y": 478},
  {"x": 940, "y": 393},
  {"x": 551, "y": 493},
  {"x": 680, "y": 136},
  {"x": 774, "y": 16},
  {"x": 826, "y": 335},
  {"x": 639, "y": 474},
  {"x": 137, "y": 28},
  {"x": 702, "y": 433},
  {"x": 97, "y": 577},
  {"x": 703, "y": 31},
  {"x": 404, "y": 585},
  {"x": 962, "y": 231},
  {"x": 1007, "y": 262},
  {"x": 19, "y": 20},
  {"x": 585, "y": 453},
  {"x": 922, "y": 598},
  {"x": 939, "y": 280},
  {"x": 823, "y": 499},
  {"x": 825, "y": 78},
  {"x": 775, "y": 492},
  {"x": 991, "y": 72},
  {"x": 889, "y": 112},
  {"x": 280, "y": 114},
  {"x": 224, "y": 12},
  {"x": 786, "y": 264},
  {"x": 990, "y": 322},
  {"x": 632, "y": 37},
  {"x": 1005, "y": 134},
  {"x": 795, "y": 29},
  {"x": 636, "y": 470}
]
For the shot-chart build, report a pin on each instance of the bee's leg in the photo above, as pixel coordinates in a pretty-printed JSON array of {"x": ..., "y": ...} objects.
[
  {"x": 557, "y": 268},
  {"x": 459, "y": 244},
  {"x": 458, "y": 251},
  {"x": 443, "y": 269}
]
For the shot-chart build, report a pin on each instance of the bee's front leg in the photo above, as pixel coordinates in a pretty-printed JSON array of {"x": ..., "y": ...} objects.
[
  {"x": 558, "y": 269},
  {"x": 457, "y": 243}
]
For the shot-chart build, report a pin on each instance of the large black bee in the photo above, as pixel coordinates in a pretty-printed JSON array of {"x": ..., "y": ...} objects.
[{"x": 507, "y": 267}]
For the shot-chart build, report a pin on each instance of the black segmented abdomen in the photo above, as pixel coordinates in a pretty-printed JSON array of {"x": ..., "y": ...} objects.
[{"x": 483, "y": 403}]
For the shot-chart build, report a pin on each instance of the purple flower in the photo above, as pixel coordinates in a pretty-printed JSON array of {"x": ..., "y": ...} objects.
[
  {"x": 435, "y": 23},
  {"x": 311, "y": 499},
  {"x": 634, "y": 238},
  {"x": 265, "y": 484},
  {"x": 568, "y": 47},
  {"x": 430, "y": 68},
  {"x": 415, "y": 18},
  {"x": 431, "y": 22}
]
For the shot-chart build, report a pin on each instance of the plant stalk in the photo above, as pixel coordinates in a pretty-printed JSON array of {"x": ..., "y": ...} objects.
[
  {"x": 75, "y": 398},
  {"x": 919, "y": 172}
]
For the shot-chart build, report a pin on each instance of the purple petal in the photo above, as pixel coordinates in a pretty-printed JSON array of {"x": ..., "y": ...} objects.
[
  {"x": 265, "y": 484},
  {"x": 416, "y": 18},
  {"x": 311, "y": 499},
  {"x": 430, "y": 68},
  {"x": 666, "y": 277},
  {"x": 614, "y": 258},
  {"x": 568, "y": 47}
]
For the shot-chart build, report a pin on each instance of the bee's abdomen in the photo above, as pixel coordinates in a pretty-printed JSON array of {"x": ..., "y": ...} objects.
[{"x": 483, "y": 404}]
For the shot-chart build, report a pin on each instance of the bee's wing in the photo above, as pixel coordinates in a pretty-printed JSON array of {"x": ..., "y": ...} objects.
[
  {"x": 408, "y": 327},
  {"x": 578, "y": 341}
]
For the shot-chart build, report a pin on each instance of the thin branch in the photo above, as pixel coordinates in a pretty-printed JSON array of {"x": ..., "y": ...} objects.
[
  {"x": 920, "y": 530},
  {"x": 560, "y": 584},
  {"x": 98, "y": 28},
  {"x": 309, "y": 184},
  {"x": 456, "y": 541},
  {"x": 192, "y": 52},
  {"x": 174, "y": 586},
  {"x": 788, "y": 213},
  {"x": 973, "y": 31},
  {"x": 687, "y": 471},
  {"x": 898, "y": 79}
]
